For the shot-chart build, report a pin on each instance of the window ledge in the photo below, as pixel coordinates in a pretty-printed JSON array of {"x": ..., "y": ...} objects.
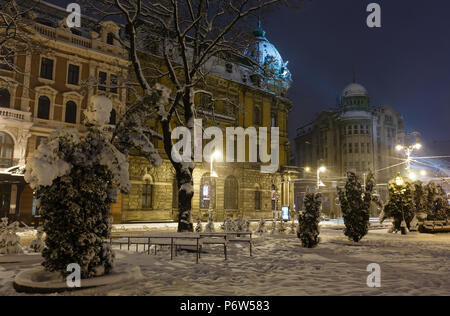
[{"x": 46, "y": 81}]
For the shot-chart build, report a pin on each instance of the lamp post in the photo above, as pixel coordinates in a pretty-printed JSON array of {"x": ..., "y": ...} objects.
[
  {"x": 319, "y": 182},
  {"x": 215, "y": 156},
  {"x": 408, "y": 150}
]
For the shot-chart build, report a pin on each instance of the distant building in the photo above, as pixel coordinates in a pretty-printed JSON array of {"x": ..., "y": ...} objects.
[{"x": 354, "y": 137}]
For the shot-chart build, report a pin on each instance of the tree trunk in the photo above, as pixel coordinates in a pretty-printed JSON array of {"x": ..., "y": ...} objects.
[{"x": 184, "y": 178}]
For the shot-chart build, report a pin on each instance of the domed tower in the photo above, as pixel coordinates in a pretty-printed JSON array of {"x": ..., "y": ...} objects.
[
  {"x": 355, "y": 98},
  {"x": 266, "y": 54}
]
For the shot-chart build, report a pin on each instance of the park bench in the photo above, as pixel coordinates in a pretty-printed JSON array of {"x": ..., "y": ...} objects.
[
  {"x": 241, "y": 237},
  {"x": 435, "y": 226}
]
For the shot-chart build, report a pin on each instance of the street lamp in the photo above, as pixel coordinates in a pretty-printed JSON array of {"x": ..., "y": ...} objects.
[
  {"x": 319, "y": 182},
  {"x": 215, "y": 156},
  {"x": 399, "y": 180},
  {"x": 409, "y": 150}
]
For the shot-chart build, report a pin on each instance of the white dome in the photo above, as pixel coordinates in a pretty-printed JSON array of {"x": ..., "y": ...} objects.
[{"x": 354, "y": 90}]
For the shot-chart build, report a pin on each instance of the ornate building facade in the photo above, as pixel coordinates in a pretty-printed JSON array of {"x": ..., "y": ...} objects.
[
  {"x": 239, "y": 188},
  {"x": 50, "y": 91},
  {"x": 74, "y": 64},
  {"x": 355, "y": 137}
]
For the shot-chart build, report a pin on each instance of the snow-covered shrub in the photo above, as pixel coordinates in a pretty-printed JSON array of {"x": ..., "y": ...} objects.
[
  {"x": 308, "y": 222},
  {"x": 76, "y": 181},
  {"x": 199, "y": 227},
  {"x": 228, "y": 224},
  {"x": 355, "y": 205},
  {"x": 9, "y": 240},
  {"x": 261, "y": 229},
  {"x": 293, "y": 227},
  {"x": 38, "y": 245},
  {"x": 274, "y": 227},
  {"x": 400, "y": 205},
  {"x": 209, "y": 228},
  {"x": 281, "y": 227}
]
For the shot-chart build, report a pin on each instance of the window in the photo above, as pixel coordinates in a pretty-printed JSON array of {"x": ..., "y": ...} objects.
[
  {"x": 112, "y": 117},
  {"x": 102, "y": 78},
  {"x": 110, "y": 38},
  {"x": 274, "y": 120},
  {"x": 71, "y": 112},
  {"x": 5, "y": 98},
  {"x": 47, "y": 68},
  {"x": 6, "y": 150},
  {"x": 345, "y": 148},
  {"x": 356, "y": 148},
  {"x": 229, "y": 68},
  {"x": 350, "y": 148},
  {"x": 231, "y": 193},
  {"x": 274, "y": 197},
  {"x": 113, "y": 79},
  {"x": 44, "y": 108},
  {"x": 73, "y": 76},
  {"x": 256, "y": 115},
  {"x": 355, "y": 129},
  {"x": 349, "y": 130},
  {"x": 207, "y": 192},
  {"x": 257, "y": 200},
  {"x": 147, "y": 195}
]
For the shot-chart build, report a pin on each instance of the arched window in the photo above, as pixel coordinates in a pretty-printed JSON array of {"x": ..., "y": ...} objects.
[
  {"x": 5, "y": 98},
  {"x": 44, "y": 108},
  {"x": 112, "y": 117},
  {"x": 110, "y": 38},
  {"x": 71, "y": 112},
  {"x": 147, "y": 190},
  {"x": 231, "y": 193},
  {"x": 257, "y": 200},
  {"x": 257, "y": 115},
  {"x": 207, "y": 192},
  {"x": 6, "y": 150}
]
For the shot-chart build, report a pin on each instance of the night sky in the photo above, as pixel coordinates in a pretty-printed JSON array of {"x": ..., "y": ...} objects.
[{"x": 404, "y": 64}]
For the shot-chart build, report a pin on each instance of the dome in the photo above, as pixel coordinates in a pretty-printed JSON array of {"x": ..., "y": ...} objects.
[
  {"x": 267, "y": 55},
  {"x": 354, "y": 90}
]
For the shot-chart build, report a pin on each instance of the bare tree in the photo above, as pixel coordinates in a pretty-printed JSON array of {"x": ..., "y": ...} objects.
[
  {"x": 16, "y": 33},
  {"x": 189, "y": 33}
]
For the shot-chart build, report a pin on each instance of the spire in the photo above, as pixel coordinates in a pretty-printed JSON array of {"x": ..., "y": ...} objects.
[{"x": 259, "y": 32}]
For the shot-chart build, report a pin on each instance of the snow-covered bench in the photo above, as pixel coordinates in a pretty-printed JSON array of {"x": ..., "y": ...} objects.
[
  {"x": 435, "y": 226},
  {"x": 241, "y": 237}
]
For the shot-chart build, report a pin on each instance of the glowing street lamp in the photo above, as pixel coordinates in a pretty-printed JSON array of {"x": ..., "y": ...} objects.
[
  {"x": 215, "y": 156},
  {"x": 408, "y": 152},
  {"x": 319, "y": 182},
  {"x": 399, "y": 180}
]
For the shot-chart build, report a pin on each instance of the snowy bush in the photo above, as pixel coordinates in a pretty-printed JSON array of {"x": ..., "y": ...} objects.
[
  {"x": 9, "y": 240},
  {"x": 199, "y": 227},
  {"x": 229, "y": 225},
  {"x": 37, "y": 245},
  {"x": 261, "y": 229},
  {"x": 308, "y": 222},
  {"x": 281, "y": 227},
  {"x": 355, "y": 205},
  {"x": 209, "y": 228},
  {"x": 76, "y": 181},
  {"x": 400, "y": 205}
]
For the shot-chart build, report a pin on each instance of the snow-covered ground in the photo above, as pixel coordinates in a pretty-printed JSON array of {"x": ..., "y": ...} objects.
[{"x": 415, "y": 264}]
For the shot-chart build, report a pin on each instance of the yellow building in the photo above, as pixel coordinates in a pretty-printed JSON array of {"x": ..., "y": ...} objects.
[{"x": 240, "y": 188}]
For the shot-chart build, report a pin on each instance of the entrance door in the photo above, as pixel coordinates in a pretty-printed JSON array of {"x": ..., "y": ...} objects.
[{"x": 5, "y": 196}]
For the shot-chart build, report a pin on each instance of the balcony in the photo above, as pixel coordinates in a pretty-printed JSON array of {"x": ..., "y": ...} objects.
[
  {"x": 6, "y": 163},
  {"x": 11, "y": 114}
]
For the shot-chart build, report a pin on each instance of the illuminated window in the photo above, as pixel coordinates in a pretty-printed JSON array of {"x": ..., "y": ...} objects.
[
  {"x": 207, "y": 192},
  {"x": 147, "y": 195},
  {"x": 6, "y": 150}
]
